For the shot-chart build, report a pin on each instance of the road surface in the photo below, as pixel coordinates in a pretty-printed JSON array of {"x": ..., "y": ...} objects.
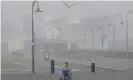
[{"x": 20, "y": 70}]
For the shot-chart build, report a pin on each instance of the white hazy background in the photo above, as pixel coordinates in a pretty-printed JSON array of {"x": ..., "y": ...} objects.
[{"x": 16, "y": 22}]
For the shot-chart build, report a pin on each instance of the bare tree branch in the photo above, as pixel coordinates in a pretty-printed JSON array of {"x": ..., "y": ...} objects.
[
  {"x": 65, "y": 4},
  {"x": 68, "y": 6},
  {"x": 72, "y": 4}
]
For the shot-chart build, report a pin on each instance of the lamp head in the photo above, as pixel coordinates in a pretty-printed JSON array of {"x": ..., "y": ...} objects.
[
  {"x": 38, "y": 10},
  {"x": 109, "y": 24},
  {"x": 122, "y": 23}
]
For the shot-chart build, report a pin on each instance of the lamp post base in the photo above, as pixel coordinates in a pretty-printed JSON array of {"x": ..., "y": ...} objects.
[{"x": 33, "y": 72}]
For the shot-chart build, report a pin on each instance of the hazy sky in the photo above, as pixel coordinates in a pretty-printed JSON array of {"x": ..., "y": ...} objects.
[
  {"x": 58, "y": 9},
  {"x": 13, "y": 12}
]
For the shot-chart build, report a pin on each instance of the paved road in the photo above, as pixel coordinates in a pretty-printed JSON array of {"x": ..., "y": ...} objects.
[
  {"x": 101, "y": 74},
  {"x": 19, "y": 70}
]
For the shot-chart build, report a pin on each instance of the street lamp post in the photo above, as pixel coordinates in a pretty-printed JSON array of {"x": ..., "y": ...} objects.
[
  {"x": 127, "y": 31},
  {"x": 92, "y": 35},
  {"x": 33, "y": 33},
  {"x": 102, "y": 29},
  {"x": 52, "y": 33},
  {"x": 92, "y": 39},
  {"x": 102, "y": 40},
  {"x": 102, "y": 36},
  {"x": 85, "y": 37},
  {"x": 114, "y": 32}
]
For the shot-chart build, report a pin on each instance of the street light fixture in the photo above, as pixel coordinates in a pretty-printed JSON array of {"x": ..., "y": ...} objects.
[
  {"x": 33, "y": 33},
  {"x": 38, "y": 10},
  {"x": 109, "y": 24},
  {"x": 92, "y": 39},
  {"x": 127, "y": 31},
  {"x": 102, "y": 39},
  {"x": 121, "y": 22},
  {"x": 92, "y": 32},
  {"x": 104, "y": 35},
  {"x": 102, "y": 30}
]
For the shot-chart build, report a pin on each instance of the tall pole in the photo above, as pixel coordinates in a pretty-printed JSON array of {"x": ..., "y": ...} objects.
[
  {"x": 84, "y": 43},
  {"x": 84, "y": 39},
  {"x": 52, "y": 33},
  {"x": 127, "y": 35},
  {"x": 102, "y": 36},
  {"x": 113, "y": 39},
  {"x": 92, "y": 37},
  {"x": 127, "y": 32},
  {"x": 114, "y": 33},
  {"x": 92, "y": 31},
  {"x": 33, "y": 35},
  {"x": 33, "y": 62}
]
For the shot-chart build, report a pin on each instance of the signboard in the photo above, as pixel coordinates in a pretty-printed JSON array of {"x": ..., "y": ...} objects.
[{"x": 46, "y": 56}]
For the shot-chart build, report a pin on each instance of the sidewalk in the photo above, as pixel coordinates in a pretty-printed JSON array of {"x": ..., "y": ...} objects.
[
  {"x": 27, "y": 76},
  {"x": 117, "y": 64},
  {"x": 102, "y": 62},
  {"x": 22, "y": 61}
]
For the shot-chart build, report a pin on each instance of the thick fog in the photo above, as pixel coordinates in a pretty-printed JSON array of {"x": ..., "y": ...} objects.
[
  {"x": 82, "y": 33},
  {"x": 58, "y": 22}
]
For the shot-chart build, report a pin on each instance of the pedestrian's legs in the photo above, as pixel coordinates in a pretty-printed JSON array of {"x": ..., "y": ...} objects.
[
  {"x": 70, "y": 73},
  {"x": 61, "y": 74}
]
